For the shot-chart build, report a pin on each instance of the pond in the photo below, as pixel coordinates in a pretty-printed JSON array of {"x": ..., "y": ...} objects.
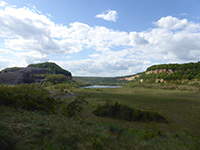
[{"x": 100, "y": 87}]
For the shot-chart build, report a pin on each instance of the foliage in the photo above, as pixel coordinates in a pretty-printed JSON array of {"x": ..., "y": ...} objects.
[
  {"x": 28, "y": 97},
  {"x": 56, "y": 78},
  {"x": 180, "y": 72},
  {"x": 62, "y": 88},
  {"x": 73, "y": 107},
  {"x": 53, "y": 67},
  {"x": 123, "y": 112},
  {"x": 11, "y": 69},
  {"x": 174, "y": 67}
]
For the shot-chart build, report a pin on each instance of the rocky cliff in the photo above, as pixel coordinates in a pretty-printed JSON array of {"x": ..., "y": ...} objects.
[{"x": 24, "y": 75}]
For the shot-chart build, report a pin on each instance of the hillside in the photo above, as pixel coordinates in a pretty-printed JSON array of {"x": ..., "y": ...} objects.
[
  {"x": 168, "y": 73},
  {"x": 35, "y": 73},
  {"x": 53, "y": 67}
]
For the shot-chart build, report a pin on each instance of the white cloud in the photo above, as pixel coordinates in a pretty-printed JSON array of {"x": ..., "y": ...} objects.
[
  {"x": 183, "y": 14},
  {"x": 31, "y": 37},
  {"x": 137, "y": 39},
  {"x": 31, "y": 57},
  {"x": 26, "y": 29},
  {"x": 10, "y": 61},
  {"x": 3, "y": 63},
  {"x": 176, "y": 42},
  {"x": 109, "y": 15},
  {"x": 170, "y": 22},
  {"x": 3, "y": 4},
  {"x": 102, "y": 67}
]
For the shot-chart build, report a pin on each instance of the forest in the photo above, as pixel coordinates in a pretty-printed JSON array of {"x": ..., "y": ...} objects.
[{"x": 186, "y": 71}]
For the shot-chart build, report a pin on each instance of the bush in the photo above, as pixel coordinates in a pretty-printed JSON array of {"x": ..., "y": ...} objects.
[
  {"x": 27, "y": 97},
  {"x": 56, "y": 78},
  {"x": 65, "y": 87},
  {"x": 73, "y": 107},
  {"x": 124, "y": 112}
]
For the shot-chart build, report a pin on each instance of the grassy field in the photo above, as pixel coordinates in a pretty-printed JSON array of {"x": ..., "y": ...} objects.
[
  {"x": 25, "y": 129},
  {"x": 180, "y": 108}
]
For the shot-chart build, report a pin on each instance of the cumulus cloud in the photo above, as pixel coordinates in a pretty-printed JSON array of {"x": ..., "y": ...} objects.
[
  {"x": 3, "y": 63},
  {"x": 109, "y": 15},
  {"x": 102, "y": 67},
  {"x": 30, "y": 57},
  {"x": 137, "y": 39},
  {"x": 2, "y": 3},
  {"x": 31, "y": 37},
  {"x": 28, "y": 29},
  {"x": 170, "y": 22}
]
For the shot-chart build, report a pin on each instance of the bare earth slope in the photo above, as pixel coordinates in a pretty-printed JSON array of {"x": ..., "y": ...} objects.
[{"x": 24, "y": 75}]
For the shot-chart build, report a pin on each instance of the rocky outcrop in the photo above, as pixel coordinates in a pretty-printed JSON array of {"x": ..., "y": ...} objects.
[
  {"x": 130, "y": 78},
  {"x": 25, "y": 75},
  {"x": 159, "y": 71},
  {"x": 160, "y": 81}
]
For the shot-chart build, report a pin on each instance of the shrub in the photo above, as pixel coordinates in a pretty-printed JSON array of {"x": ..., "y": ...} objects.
[
  {"x": 56, "y": 78},
  {"x": 73, "y": 107},
  {"x": 27, "y": 97},
  {"x": 123, "y": 112}
]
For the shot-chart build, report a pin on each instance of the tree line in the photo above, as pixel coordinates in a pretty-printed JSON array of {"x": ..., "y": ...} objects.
[{"x": 180, "y": 72}]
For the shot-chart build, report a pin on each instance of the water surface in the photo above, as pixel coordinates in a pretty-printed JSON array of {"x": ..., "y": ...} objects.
[{"x": 100, "y": 87}]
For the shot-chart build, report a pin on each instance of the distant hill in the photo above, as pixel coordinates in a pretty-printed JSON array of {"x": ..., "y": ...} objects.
[
  {"x": 52, "y": 67},
  {"x": 167, "y": 72},
  {"x": 35, "y": 73},
  {"x": 13, "y": 76}
]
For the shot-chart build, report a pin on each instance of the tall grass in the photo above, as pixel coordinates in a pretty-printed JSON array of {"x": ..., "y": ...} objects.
[
  {"x": 74, "y": 126},
  {"x": 34, "y": 130}
]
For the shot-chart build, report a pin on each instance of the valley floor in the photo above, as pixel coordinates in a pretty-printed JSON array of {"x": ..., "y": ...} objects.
[
  {"x": 22, "y": 129},
  {"x": 181, "y": 108}
]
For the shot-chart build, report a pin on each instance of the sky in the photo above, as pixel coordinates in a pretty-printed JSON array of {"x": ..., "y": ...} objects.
[{"x": 106, "y": 38}]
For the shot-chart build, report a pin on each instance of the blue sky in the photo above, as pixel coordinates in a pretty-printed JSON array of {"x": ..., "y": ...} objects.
[{"x": 99, "y": 38}]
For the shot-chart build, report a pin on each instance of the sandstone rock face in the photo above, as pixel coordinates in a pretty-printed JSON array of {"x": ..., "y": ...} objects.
[
  {"x": 130, "y": 78},
  {"x": 25, "y": 75},
  {"x": 160, "y": 71}
]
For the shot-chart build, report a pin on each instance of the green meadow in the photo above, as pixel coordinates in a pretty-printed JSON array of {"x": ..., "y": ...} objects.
[
  {"x": 68, "y": 122},
  {"x": 180, "y": 108}
]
